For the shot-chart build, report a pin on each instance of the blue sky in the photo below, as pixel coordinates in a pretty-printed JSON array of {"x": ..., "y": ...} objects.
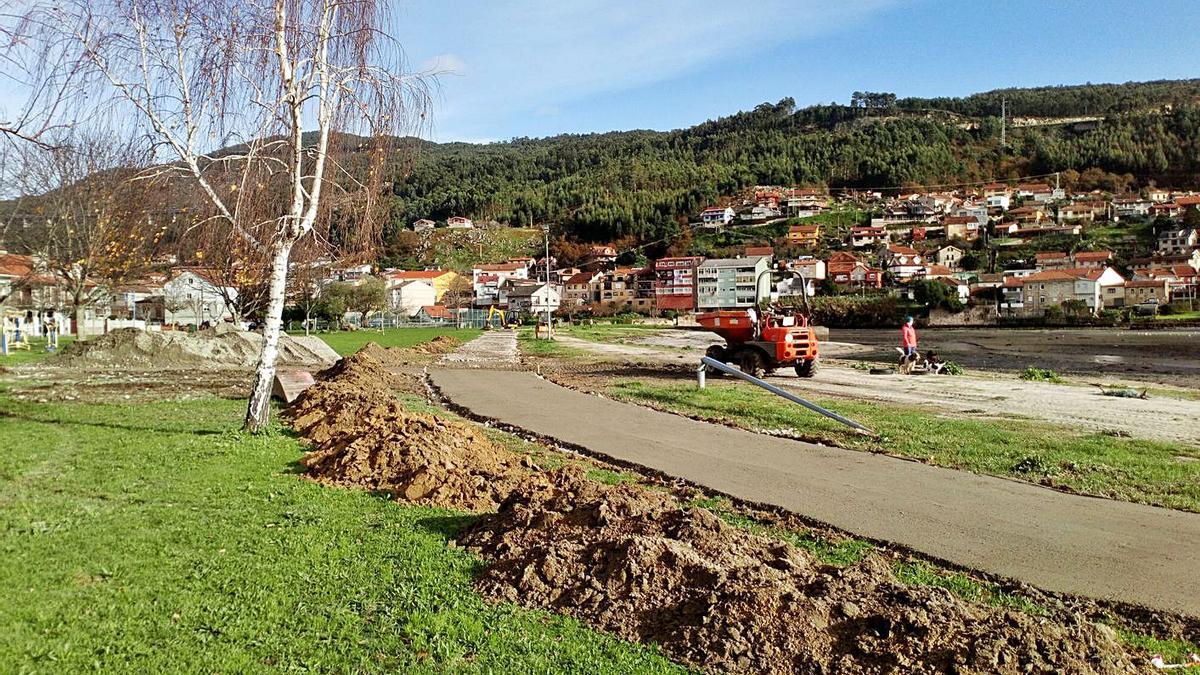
[{"x": 513, "y": 68}]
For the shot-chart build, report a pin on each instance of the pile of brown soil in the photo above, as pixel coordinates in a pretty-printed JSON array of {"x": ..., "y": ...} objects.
[
  {"x": 362, "y": 436},
  {"x": 220, "y": 347},
  {"x": 632, "y": 563},
  {"x": 442, "y": 344}
]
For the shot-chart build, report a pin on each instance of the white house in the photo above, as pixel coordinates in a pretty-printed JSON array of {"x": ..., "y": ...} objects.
[
  {"x": 759, "y": 213},
  {"x": 999, "y": 201},
  {"x": 903, "y": 261},
  {"x": 533, "y": 298},
  {"x": 423, "y": 225},
  {"x": 408, "y": 297},
  {"x": 868, "y": 235},
  {"x": 813, "y": 271},
  {"x": 950, "y": 256},
  {"x": 1178, "y": 241},
  {"x": 717, "y": 216},
  {"x": 459, "y": 223},
  {"x": 1090, "y": 285},
  {"x": 190, "y": 297}
]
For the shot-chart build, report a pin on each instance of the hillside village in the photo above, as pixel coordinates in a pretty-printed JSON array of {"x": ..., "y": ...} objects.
[{"x": 969, "y": 242}]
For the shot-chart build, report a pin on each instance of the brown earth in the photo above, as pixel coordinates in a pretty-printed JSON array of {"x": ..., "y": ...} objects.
[
  {"x": 362, "y": 436},
  {"x": 631, "y": 562},
  {"x": 215, "y": 348},
  {"x": 442, "y": 344}
]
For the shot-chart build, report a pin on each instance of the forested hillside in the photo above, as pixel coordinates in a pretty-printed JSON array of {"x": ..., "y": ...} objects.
[{"x": 646, "y": 183}]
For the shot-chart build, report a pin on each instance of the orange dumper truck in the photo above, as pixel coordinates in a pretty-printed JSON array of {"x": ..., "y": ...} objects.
[{"x": 762, "y": 347}]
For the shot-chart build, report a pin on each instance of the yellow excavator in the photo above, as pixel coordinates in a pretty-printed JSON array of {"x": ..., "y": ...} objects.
[{"x": 495, "y": 312}]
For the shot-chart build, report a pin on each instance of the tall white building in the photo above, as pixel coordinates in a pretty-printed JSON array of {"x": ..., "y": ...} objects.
[{"x": 732, "y": 283}]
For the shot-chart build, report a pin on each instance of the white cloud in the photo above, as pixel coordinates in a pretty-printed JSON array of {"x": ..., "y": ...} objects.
[
  {"x": 444, "y": 64},
  {"x": 532, "y": 55}
]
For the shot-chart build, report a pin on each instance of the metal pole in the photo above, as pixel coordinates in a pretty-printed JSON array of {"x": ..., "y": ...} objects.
[
  {"x": 546, "y": 262},
  {"x": 713, "y": 363}
]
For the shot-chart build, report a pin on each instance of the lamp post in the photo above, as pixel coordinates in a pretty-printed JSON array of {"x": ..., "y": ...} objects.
[{"x": 546, "y": 263}]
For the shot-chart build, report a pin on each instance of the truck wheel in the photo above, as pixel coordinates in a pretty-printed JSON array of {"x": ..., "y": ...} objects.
[
  {"x": 808, "y": 368},
  {"x": 716, "y": 353},
  {"x": 752, "y": 363}
]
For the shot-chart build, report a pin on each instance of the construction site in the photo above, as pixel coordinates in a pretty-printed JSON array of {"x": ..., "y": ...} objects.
[{"x": 590, "y": 477}]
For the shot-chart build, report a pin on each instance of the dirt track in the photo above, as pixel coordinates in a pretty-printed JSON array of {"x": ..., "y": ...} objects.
[
  {"x": 978, "y": 395},
  {"x": 1060, "y": 542}
]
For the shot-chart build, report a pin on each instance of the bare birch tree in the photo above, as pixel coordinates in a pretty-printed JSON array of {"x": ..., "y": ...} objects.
[{"x": 201, "y": 74}]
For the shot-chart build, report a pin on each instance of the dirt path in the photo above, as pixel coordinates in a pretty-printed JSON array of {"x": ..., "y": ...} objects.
[
  {"x": 492, "y": 349},
  {"x": 1165, "y": 356},
  {"x": 983, "y": 395},
  {"x": 1059, "y": 542}
]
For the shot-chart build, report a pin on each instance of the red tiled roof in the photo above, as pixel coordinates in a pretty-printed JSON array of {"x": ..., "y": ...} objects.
[
  {"x": 1096, "y": 256},
  {"x": 580, "y": 279},
  {"x": 759, "y": 250},
  {"x": 14, "y": 265},
  {"x": 416, "y": 274},
  {"x": 502, "y": 267},
  {"x": 959, "y": 220},
  {"x": 1049, "y": 255},
  {"x": 1146, "y": 283},
  {"x": 1052, "y": 275},
  {"x": 437, "y": 311},
  {"x": 902, "y": 250}
]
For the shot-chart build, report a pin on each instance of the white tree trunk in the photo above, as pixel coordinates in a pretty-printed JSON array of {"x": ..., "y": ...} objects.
[
  {"x": 258, "y": 412},
  {"x": 80, "y": 324}
]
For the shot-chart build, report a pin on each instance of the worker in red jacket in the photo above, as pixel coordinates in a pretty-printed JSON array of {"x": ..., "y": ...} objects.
[{"x": 908, "y": 337}]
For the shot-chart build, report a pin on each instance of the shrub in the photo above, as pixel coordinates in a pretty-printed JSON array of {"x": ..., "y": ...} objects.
[
  {"x": 953, "y": 368},
  {"x": 1033, "y": 374}
]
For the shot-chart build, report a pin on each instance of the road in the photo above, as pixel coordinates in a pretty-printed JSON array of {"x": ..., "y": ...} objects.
[{"x": 1059, "y": 542}]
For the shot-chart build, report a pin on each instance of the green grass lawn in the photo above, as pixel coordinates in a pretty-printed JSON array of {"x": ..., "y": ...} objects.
[
  {"x": 1182, "y": 316},
  {"x": 153, "y": 538},
  {"x": 605, "y": 332},
  {"x": 348, "y": 342},
  {"x": 35, "y": 353},
  {"x": 528, "y": 344},
  {"x": 1120, "y": 468}
]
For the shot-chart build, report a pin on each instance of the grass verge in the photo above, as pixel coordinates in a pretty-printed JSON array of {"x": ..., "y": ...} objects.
[
  {"x": 151, "y": 538},
  {"x": 536, "y": 347},
  {"x": 1136, "y": 470},
  {"x": 348, "y": 342}
]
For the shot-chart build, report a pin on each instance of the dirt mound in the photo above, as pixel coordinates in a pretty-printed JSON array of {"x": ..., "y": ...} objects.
[
  {"x": 442, "y": 344},
  {"x": 633, "y": 563},
  {"x": 362, "y": 436},
  {"x": 176, "y": 349}
]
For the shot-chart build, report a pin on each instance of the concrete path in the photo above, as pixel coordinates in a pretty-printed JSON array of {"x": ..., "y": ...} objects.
[{"x": 1092, "y": 547}]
